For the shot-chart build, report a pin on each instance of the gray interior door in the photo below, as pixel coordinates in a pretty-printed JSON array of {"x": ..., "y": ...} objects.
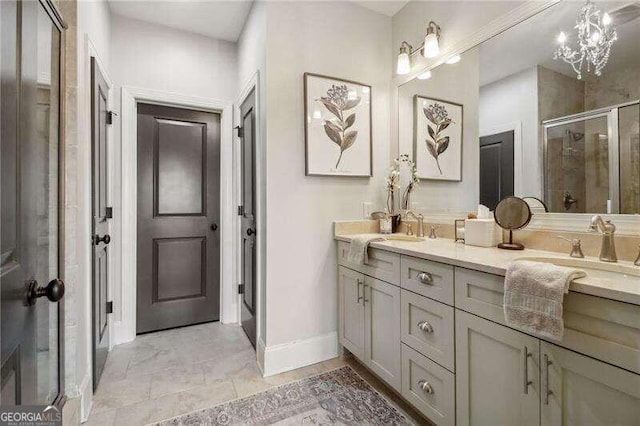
[
  {"x": 30, "y": 339},
  {"x": 248, "y": 228},
  {"x": 101, "y": 213},
  {"x": 178, "y": 243},
  {"x": 496, "y": 168}
]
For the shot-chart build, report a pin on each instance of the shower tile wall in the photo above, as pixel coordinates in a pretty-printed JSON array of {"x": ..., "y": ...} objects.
[
  {"x": 629, "y": 131},
  {"x": 560, "y": 95}
]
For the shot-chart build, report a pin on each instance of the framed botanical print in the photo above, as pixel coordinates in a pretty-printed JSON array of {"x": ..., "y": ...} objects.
[
  {"x": 337, "y": 117},
  {"x": 437, "y": 144}
]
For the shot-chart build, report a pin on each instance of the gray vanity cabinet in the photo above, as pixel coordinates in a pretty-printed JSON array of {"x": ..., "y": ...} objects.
[
  {"x": 497, "y": 374},
  {"x": 436, "y": 334},
  {"x": 369, "y": 323},
  {"x": 382, "y": 330},
  {"x": 351, "y": 311},
  {"x": 578, "y": 390}
]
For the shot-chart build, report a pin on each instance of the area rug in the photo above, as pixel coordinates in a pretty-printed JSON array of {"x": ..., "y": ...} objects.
[{"x": 338, "y": 397}]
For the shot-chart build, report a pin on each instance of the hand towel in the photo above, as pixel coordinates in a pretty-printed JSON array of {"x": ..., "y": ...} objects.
[
  {"x": 358, "y": 249},
  {"x": 533, "y": 295}
]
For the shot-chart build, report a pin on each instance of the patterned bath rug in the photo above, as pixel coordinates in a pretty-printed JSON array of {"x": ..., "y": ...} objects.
[{"x": 338, "y": 397}]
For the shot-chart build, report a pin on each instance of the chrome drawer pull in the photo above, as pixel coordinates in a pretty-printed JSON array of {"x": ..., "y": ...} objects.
[
  {"x": 425, "y": 278},
  {"x": 526, "y": 382},
  {"x": 547, "y": 392},
  {"x": 425, "y": 386},
  {"x": 425, "y": 326},
  {"x": 360, "y": 297}
]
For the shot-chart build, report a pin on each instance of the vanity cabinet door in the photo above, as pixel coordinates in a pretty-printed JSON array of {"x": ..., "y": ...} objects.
[
  {"x": 497, "y": 374},
  {"x": 578, "y": 390},
  {"x": 351, "y": 311},
  {"x": 382, "y": 331}
]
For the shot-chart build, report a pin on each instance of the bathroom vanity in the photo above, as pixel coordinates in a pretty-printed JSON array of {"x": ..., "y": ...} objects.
[{"x": 427, "y": 318}]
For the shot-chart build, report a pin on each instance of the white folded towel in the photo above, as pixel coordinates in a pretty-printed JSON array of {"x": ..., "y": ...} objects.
[
  {"x": 358, "y": 249},
  {"x": 533, "y": 295}
]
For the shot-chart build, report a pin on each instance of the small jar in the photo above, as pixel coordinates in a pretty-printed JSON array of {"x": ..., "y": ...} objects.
[{"x": 386, "y": 225}]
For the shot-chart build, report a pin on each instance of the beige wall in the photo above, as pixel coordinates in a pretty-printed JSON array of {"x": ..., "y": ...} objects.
[
  {"x": 459, "y": 20},
  {"x": 338, "y": 39},
  {"x": 510, "y": 101}
]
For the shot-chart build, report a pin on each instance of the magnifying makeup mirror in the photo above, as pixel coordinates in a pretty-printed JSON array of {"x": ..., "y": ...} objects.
[{"x": 512, "y": 213}]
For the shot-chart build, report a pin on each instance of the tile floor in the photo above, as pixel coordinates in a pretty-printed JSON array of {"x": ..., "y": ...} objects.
[{"x": 168, "y": 373}]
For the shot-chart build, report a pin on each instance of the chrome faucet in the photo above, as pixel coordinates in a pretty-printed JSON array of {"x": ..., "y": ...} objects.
[
  {"x": 420, "y": 218},
  {"x": 608, "y": 247}
]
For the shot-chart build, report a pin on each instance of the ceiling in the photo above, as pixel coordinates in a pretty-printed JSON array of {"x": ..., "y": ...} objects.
[
  {"x": 217, "y": 19},
  {"x": 388, "y": 7},
  {"x": 221, "y": 19},
  {"x": 533, "y": 42}
]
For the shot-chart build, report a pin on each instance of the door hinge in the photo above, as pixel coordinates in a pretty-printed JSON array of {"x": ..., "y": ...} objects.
[
  {"x": 240, "y": 210},
  {"x": 240, "y": 288},
  {"x": 109, "y": 212},
  {"x": 240, "y": 131},
  {"x": 110, "y": 115},
  {"x": 109, "y": 307}
]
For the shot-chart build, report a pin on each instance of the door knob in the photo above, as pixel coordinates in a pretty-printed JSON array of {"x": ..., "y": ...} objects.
[
  {"x": 214, "y": 226},
  {"x": 104, "y": 239},
  {"x": 54, "y": 291},
  {"x": 251, "y": 231}
]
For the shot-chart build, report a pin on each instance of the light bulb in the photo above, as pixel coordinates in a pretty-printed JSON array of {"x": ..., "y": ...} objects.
[
  {"x": 562, "y": 37},
  {"x": 595, "y": 36},
  {"x": 606, "y": 19},
  {"x": 453, "y": 60},
  {"x": 425, "y": 75},
  {"x": 431, "y": 47},
  {"x": 404, "y": 64}
]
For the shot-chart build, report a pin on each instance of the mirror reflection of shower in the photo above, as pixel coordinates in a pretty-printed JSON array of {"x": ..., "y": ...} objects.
[{"x": 592, "y": 161}]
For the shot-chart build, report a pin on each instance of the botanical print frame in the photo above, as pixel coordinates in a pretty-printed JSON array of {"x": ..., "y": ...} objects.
[
  {"x": 337, "y": 127},
  {"x": 438, "y": 137}
]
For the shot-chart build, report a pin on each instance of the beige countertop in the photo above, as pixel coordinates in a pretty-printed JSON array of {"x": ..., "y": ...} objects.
[{"x": 621, "y": 283}]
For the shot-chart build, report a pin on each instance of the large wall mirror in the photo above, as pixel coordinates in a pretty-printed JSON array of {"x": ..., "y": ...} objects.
[{"x": 534, "y": 124}]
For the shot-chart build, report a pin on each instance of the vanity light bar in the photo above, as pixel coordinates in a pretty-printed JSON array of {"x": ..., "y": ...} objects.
[{"x": 430, "y": 48}]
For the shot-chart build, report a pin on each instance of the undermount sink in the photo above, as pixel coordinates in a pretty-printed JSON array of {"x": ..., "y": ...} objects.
[
  {"x": 407, "y": 238},
  {"x": 593, "y": 268}
]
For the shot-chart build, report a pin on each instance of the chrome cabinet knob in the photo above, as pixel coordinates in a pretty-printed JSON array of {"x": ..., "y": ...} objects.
[
  {"x": 425, "y": 386},
  {"x": 425, "y": 278},
  {"x": 425, "y": 326}
]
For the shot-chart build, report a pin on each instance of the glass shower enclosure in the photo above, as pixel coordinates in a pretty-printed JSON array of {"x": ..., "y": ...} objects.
[{"x": 592, "y": 161}]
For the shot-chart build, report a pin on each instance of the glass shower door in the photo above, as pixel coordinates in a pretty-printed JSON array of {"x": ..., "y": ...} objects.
[{"x": 577, "y": 165}]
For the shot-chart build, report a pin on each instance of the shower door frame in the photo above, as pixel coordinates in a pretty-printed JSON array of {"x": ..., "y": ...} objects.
[{"x": 613, "y": 140}]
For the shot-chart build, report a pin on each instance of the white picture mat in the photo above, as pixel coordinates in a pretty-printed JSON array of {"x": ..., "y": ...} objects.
[
  {"x": 322, "y": 153},
  {"x": 451, "y": 159}
]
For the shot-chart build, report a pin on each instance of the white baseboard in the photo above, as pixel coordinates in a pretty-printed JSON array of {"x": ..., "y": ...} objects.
[
  {"x": 86, "y": 397},
  {"x": 122, "y": 333},
  {"x": 289, "y": 356}
]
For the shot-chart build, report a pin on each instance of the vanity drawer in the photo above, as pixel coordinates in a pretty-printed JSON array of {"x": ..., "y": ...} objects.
[
  {"x": 427, "y": 326},
  {"x": 428, "y": 387},
  {"x": 480, "y": 293},
  {"x": 602, "y": 328},
  {"x": 383, "y": 265},
  {"x": 430, "y": 279}
]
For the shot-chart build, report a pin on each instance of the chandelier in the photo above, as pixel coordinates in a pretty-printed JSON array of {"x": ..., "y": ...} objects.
[{"x": 595, "y": 38}]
